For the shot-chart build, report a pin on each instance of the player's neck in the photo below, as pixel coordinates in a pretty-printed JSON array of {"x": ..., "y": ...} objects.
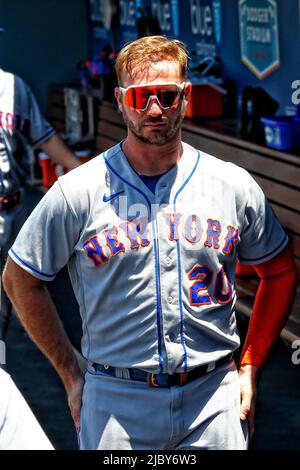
[{"x": 150, "y": 159}]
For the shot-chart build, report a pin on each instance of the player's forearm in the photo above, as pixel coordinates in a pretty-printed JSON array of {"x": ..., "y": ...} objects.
[
  {"x": 59, "y": 153},
  {"x": 37, "y": 313},
  {"x": 272, "y": 306}
]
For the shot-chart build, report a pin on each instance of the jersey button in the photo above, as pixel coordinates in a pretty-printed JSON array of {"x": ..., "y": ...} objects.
[
  {"x": 170, "y": 299},
  {"x": 168, "y": 260}
]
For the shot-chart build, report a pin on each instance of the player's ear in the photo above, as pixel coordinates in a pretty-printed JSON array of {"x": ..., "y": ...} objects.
[
  {"x": 187, "y": 92},
  {"x": 118, "y": 96}
]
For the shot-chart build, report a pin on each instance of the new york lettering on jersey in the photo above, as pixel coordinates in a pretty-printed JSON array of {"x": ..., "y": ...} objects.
[
  {"x": 111, "y": 242},
  {"x": 9, "y": 120},
  {"x": 210, "y": 234}
]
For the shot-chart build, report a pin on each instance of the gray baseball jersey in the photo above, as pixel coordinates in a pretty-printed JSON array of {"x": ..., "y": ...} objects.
[
  {"x": 153, "y": 273},
  {"x": 20, "y": 118}
]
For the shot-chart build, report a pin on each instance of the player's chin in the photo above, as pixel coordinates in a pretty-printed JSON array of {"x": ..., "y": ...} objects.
[
  {"x": 160, "y": 135},
  {"x": 156, "y": 138}
]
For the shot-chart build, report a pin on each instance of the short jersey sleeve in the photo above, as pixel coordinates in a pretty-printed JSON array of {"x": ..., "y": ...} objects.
[
  {"x": 47, "y": 239},
  {"x": 262, "y": 237},
  {"x": 40, "y": 129}
]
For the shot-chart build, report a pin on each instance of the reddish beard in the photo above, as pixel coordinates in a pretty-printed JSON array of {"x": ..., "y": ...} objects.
[{"x": 164, "y": 133}]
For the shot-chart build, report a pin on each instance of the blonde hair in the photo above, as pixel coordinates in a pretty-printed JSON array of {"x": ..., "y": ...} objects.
[{"x": 141, "y": 53}]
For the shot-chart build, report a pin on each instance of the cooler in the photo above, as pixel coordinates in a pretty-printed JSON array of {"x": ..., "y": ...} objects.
[
  {"x": 206, "y": 99},
  {"x": 281, "y": 132},
  {"x": 51, "y": 171}
]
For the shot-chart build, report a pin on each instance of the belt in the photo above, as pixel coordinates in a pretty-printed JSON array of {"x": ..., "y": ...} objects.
[
  {"x": 161, "y": 380},
  {"x": 9, "y": 201}
]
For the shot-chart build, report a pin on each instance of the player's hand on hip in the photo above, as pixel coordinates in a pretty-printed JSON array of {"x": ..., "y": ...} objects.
[
  {"x": 74, "y": 393},
  {"x": 248, "y": 376}
]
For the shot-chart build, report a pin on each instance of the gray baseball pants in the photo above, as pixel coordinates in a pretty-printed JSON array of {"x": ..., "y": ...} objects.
[{"x": 120, "y": 414}]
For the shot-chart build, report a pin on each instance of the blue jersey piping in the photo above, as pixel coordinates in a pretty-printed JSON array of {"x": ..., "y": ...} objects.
[
  {"x": 30, "y": 267},
  {"x": 157, "y": 271},
  {"x": 179, "y": 269},
  {"x": 45, "y": 137}
]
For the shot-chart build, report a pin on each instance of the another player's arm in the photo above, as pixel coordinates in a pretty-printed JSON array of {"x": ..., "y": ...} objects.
[
  {"x": 38, "y": 314},
  {"x": 59, "y": 153},
  {"x": 273, "y": 302}
]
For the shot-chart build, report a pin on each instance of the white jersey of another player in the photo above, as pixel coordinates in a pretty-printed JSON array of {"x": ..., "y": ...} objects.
[
  {"x": 19, "y": 429},
  {"x": 21, "y": 123}
]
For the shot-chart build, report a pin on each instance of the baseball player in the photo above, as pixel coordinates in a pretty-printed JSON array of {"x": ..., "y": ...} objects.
[
  {"x": 21, "y": 125},
  {"x": 151, "y": 230}
]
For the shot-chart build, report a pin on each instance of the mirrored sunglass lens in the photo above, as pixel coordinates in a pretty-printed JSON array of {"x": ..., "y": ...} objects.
[
  {"x": 135, "y": 99},
  {"x": 167, "y": 98},
  {"x": 138, "y": 97}
]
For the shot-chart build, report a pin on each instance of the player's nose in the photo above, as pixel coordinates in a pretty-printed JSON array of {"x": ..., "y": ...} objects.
[{"x": 154, "y": 109}]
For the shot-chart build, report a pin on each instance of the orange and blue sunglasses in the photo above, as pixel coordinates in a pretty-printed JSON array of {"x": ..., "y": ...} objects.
[{"x": 138, "y": 96}]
